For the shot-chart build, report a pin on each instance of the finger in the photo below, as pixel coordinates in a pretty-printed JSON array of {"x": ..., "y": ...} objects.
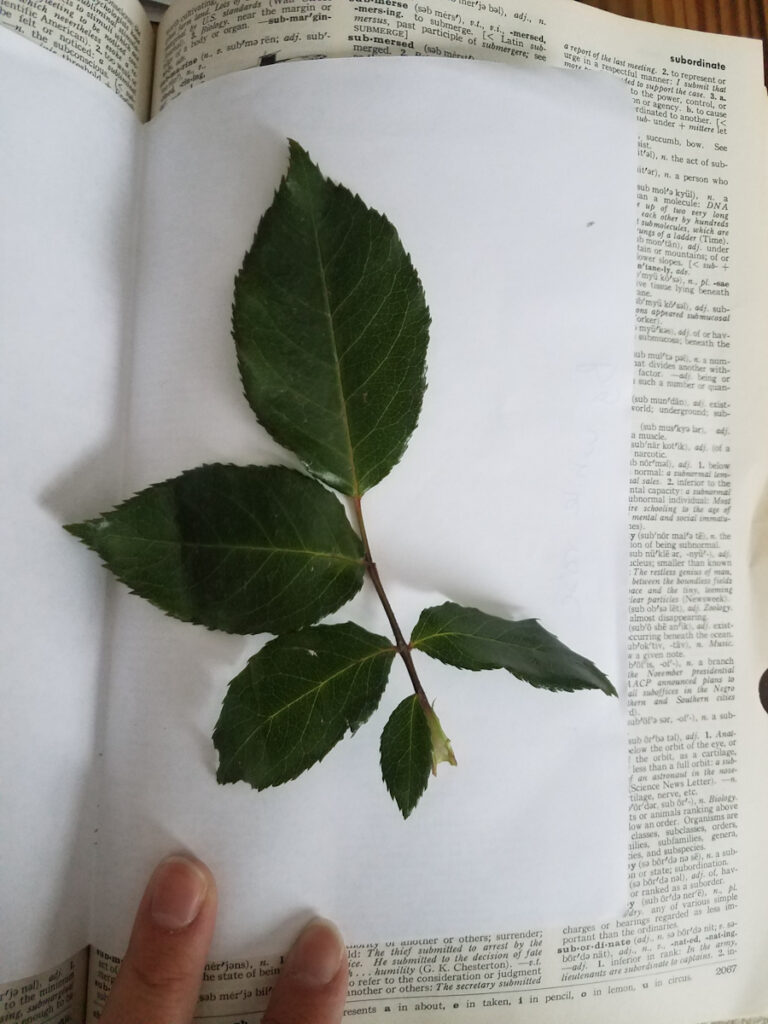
[
  {"x": 312, "y": 987},
  {"x": 159, "y": 980}
]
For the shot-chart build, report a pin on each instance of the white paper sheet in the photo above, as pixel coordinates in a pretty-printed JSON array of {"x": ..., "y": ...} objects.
[
  {"x": 66, "y": 190},
  {"x": 514, "y": 193}
]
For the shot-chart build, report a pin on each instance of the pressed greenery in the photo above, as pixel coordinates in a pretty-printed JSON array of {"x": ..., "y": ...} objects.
[{"x": 331, "y": 326}]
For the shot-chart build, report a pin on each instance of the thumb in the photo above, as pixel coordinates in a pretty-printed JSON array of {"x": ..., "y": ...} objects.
[
  {"x": 312, "y": 987},
  {"x": 159, "y": 979}
]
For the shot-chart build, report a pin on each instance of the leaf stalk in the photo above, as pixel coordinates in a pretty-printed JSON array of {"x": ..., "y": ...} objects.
[{"x": 402, "y": 647}]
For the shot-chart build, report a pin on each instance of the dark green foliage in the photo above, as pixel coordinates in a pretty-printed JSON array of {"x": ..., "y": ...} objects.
[
  {"x": 406, "y": 754},
  {"x": 296, "y": 699},
  {"x": 245, "y": 549},
  {"x": 468, "y": 638},
  {"x": 331, "y": 328}
]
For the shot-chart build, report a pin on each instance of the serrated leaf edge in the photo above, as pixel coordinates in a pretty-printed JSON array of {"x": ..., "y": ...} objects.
[
  {"x": 387, "y": 650},
  {"x": 78, "y": 530},
  {"x": 609, "y": 690},
  {"x": 416, "y": 706}
]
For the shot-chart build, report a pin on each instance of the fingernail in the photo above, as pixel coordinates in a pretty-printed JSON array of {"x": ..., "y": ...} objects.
[
  {"x": 315, "y": 957},
  {"x": 178, "y": 890}
]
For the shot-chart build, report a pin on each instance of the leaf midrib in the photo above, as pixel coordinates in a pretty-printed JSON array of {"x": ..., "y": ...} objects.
[
  {"x": 474, "y": 636},
  {"x": 313, "y": 692},
  {"x": 335, "y": 351},
  {"x": 351, "y": 666},
  {"x": 241, "y": 547},
  {"x": 411, "y": 749},
  {"x": 571, "y": 674}
]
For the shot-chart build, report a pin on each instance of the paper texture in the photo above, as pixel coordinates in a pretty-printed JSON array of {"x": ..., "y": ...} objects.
[
  {"x": 691, "y": 946},
  {"x": 66, "y": 204},
  {"x": 523, "y": 441}
]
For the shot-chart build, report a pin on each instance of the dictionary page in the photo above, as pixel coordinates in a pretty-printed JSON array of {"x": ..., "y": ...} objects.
[
  {"x": 698, "y": 736},
  {"x": 112, "y": 40},
  {"x": 690, "y": 946},
  {"x": 527, "y": 391}
]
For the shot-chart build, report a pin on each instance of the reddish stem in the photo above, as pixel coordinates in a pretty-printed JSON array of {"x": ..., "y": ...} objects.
[{"x": 402, "y": 647}]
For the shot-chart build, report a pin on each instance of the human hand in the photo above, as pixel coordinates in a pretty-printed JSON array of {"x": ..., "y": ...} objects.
[{"x": 159, "y": 980}]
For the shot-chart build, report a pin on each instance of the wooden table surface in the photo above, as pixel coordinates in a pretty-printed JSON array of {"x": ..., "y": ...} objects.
[{"x": 731, "y": 17}]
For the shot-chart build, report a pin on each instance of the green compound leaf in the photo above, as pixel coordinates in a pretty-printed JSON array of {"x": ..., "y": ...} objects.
[
  {"x": 331, "y": 328},
  {"x": 468, "y": 638},
  {"x": 406, "y": 754},
  {"x": 245, "y": 549},
  {"x": 296, "y": 699}
]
